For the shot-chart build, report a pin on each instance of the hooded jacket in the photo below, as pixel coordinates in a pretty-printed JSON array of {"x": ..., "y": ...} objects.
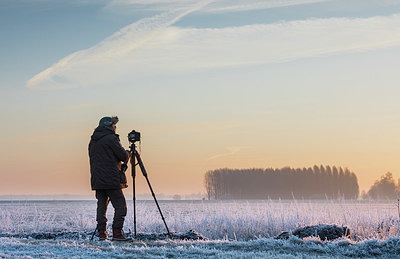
[{"x": 105, "y": 153}]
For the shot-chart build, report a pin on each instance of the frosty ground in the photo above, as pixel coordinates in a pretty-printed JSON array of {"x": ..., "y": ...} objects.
[
  {"x": 16, "y": 247},
  {"x": 233, "y": 229}
]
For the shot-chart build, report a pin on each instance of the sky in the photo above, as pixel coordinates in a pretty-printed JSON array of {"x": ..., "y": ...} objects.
[{"x": 209, "y": 84}]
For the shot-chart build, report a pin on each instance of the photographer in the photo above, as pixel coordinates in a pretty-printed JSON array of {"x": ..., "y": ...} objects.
[{"x": 106, "y": 154}]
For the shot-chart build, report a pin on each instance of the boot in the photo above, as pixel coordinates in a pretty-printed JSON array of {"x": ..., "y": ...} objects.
[
  {"x": 102, "y": 234},
  {"x": 119, "y": 235}
]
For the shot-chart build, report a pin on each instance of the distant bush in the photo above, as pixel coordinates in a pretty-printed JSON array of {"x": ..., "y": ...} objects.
[
  {"x": 318, "y": 182},
  {"x": 384, "y": 188}
]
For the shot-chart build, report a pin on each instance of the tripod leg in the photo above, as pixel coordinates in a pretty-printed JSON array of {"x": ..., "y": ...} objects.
[
  {"x": 151, "y": 189},
  {"x": 134, "y": 208},
  {"x": 94, "y": 232},
  {"x": 133, "y": 165}
]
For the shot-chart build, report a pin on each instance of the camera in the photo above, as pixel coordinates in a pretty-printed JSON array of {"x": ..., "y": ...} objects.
[{"x": 134, "y": 136}]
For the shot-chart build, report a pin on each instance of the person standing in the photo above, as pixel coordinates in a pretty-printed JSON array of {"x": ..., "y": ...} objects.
[{"x": 106, "y": 154}]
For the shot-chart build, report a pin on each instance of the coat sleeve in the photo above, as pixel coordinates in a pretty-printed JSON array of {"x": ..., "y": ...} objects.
[{"x": 118, "y": 149}]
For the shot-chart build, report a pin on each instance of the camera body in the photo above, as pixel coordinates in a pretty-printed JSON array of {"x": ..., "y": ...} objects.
[{"x": 134, "y": 136}]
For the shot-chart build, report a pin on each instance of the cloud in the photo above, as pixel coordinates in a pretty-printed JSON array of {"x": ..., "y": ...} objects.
[
  {"x": 151, "y": 47},
  {"x": 223, "y": 6},
  {"x": 217, "y": 6},
  {"x": 107, "y": 52},
  {"x": 231, "y": 151}
]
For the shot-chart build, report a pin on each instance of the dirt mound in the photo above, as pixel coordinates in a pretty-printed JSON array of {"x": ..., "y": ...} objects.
[{"x": 324, "y": 232}]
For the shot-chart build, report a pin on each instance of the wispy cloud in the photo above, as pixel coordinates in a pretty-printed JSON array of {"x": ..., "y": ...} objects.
[
  {"x": 151, "y": 47},
  {"x": 108, "y": 51},
  {"x": 231, "y": 151},
  {"x": 217, "y": 6},
  {"x": 223, "y": 6}
]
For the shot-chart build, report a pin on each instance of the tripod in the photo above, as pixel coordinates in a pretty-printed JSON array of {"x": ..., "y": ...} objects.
[{"x": 136, "y": 156}]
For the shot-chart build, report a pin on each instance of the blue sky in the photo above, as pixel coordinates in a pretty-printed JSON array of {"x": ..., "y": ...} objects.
[{"x": 209, "y": 84}]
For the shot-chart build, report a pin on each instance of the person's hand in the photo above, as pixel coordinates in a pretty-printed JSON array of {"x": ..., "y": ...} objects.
[
  {"x": 124, "y": 166},
  {"x": 129, "y": 154}
]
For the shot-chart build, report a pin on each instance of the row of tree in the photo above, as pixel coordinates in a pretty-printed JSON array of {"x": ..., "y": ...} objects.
[{"x": 318, "y": 182}]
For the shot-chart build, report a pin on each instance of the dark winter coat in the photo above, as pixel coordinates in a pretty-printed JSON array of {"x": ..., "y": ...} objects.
[{"x": 105, "y": 153}]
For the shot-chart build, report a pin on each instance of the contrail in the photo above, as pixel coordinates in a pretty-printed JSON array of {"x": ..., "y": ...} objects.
[
  {"x": 120, "y": 43},
  {"x": 232, "y": 151}
]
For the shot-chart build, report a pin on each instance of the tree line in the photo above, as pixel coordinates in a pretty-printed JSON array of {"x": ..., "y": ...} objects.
[{"x": 317, "y": 182}]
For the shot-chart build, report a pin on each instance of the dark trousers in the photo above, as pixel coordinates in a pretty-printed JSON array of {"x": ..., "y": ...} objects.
[{"x": 118, "y": 202}]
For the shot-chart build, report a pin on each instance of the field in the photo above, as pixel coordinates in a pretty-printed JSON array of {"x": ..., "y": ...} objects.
[{"x": 232, "y": 228}]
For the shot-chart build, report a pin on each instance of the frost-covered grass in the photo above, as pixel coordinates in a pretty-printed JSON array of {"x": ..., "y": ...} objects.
[
  {"x": 260, "y": 248},
  {"x": 216, "y": 220},
  {"x": 236, "y": 229}
]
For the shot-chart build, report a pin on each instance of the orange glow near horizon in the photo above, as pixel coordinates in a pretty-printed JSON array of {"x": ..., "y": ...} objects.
[{"x": 175, "y": 169}]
